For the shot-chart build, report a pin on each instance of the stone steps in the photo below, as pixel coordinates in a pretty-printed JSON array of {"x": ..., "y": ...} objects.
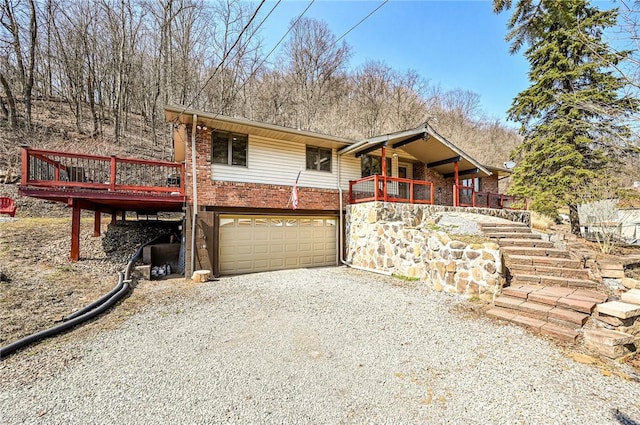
[
  {"x": 617, "y": 326},
  {"x": 535, "y": 252},
  {"x": 555, "y": 311},
  {"x": 527, "y": 243},
  {"x": 547, "y": 290},
  {"x": 523, "y": 269},
  {"x": 504, "y": 229},
  {"x": 511, "y": 235},
  {"x": 542, "y": 279},
  {"x": 544, "y": 327},
  {"x": 503, "y": 224},
  {"x": 554, "y": 262}
]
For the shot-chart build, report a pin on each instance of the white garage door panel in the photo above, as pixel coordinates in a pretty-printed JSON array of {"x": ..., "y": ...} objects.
[{"x": 259, "y": 243}]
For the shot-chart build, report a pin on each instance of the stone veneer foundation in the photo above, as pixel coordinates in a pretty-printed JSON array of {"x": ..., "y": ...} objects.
[{"x": 404, "y": 239}]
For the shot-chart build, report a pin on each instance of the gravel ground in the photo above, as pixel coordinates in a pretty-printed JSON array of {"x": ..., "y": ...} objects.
[{"x": 329, "y": 345}]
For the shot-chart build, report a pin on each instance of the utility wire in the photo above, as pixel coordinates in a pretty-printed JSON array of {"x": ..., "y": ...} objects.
[
  {"x": 361, "y": 21},
  {"x": 266, "y": 57},
  {"x": 289, "y": 30},
  {"x": 255, "y": 13},
  {"x": 280, "y": 42}
]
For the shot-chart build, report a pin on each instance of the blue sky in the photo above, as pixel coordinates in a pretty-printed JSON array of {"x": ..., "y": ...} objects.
[{"x": 453, "y": 44}]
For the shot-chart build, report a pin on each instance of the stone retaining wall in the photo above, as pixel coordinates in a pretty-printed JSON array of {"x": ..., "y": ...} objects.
[{"x": 406, "y": 240}]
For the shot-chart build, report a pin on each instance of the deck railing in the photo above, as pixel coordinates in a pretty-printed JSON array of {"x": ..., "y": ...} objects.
[
  {"x": 390, "y": 189},
  {"x": 467, "y": 196},
  {"x": 43, "y": 168}
]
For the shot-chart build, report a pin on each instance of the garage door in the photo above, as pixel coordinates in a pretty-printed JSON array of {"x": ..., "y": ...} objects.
[{"x": 260, "y": 243}]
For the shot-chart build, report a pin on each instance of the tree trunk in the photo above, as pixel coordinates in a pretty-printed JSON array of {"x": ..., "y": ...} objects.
[
  {"x": 574, "y": 219},
  {"x": 28, "y": 88},
  {"x": 3, "y": 108},
  {"x": 11, "y": 100}
]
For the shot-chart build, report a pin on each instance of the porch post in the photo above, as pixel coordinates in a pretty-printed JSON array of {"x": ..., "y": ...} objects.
[
  {"x": 96, "y": 223},
  {"x": 383, "y": 151},
  {"x": 456, "y": 193},
  {"x": 75, "y": 230}
]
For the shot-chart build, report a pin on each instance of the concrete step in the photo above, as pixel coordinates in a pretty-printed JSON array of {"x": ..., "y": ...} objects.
[
  {"x": 552, "y": 280},
  {"x": 535, "y": 252},
  {"x": 528, "y": 243},
  {"x": 503, "y": 224},
  {"x": 534, "y": 308},
  {"x": 500, "y": 236},
  {"x": 560, "y": 332},
  {"x": 515, "y": 269},
  {"x": 577, "y": 299},
  {"x": 531, "y": 260},
  {"x": 504, "y": 229},
  {"x": 550, "y": 329}
]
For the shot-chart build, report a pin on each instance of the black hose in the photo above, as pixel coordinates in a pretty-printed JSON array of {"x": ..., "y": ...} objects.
[
  {"x": 92, "y": 310},
  {"x": 8, "y": 349},
  {"x": 99, "y": 301},
  {"x": 117, "y": 288}
]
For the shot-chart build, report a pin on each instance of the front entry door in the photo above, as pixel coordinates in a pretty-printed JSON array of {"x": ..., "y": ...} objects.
[{"x": 404, "y": 187}]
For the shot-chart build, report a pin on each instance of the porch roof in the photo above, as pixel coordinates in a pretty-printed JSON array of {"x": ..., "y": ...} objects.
[
  {"x": 182, "y": 115},
  {"x": 426, "y": 145}
]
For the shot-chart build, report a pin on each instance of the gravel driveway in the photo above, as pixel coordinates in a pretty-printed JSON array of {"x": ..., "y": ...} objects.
[{"x": 330, "y": 345}]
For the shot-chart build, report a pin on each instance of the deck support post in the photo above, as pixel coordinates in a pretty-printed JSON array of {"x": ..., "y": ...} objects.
[
  {"x": 96, "y": 223},
  {"x": 114, "y": 217},
  {"x": 75, "y": 230}
]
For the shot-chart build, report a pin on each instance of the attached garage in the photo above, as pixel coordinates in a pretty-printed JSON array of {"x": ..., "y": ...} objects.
[{"x": 252, "y": 243}]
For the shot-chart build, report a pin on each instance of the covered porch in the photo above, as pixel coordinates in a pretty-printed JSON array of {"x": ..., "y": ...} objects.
[{"x": 419, "y": 166}]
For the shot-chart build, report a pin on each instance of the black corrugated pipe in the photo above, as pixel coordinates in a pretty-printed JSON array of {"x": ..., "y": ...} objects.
[{"x": 92, "y": 310}]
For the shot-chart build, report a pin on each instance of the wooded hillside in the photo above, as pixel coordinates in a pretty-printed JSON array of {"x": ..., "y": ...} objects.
[{"x": 95, "y": 76}]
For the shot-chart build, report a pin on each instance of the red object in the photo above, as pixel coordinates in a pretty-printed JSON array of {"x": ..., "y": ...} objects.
[
  {"x": 294, "y": 193},
  {"x": 7, "y": 206}
]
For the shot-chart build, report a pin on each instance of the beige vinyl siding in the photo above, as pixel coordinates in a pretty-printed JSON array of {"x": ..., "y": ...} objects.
[
  {"x": 277, "y": 162},
  {"x": 349, "y": 170}
]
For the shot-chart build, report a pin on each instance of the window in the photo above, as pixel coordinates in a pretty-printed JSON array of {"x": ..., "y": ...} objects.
[
  {"x": 370, "y": 165},
  {"x": 474, "y": 183},
  {"x": 229, "y": 148},
  {"x": 318, "y": 159}
]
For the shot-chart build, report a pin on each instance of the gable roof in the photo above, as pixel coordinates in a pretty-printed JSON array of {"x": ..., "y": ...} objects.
[
  {"x": 425, "y": 144},
  {"x": 179, "y": 114}
]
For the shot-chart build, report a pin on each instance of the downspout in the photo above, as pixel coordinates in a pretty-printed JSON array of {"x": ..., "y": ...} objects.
[
  {"x": 341, "y": 234},
  {"x": 195, "y": 192}
]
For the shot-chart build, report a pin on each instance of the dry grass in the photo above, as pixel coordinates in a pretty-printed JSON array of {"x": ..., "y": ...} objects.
[
  {"x": 541, "y": 222},
  {"x": 44, "y": 285}
]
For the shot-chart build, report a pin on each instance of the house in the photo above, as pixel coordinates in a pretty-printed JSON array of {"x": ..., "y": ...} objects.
[
  {"x": 240, "y": 206},
  {"x": 610, "y": 220}
]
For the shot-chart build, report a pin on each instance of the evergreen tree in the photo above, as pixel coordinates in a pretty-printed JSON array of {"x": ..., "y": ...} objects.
[{"x": 574, "y": 114}]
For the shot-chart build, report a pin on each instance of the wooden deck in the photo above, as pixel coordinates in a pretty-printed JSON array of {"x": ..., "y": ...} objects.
[{"x": 103, "y": 184}]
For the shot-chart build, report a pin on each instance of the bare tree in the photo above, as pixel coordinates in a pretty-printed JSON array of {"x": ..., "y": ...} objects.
[
  {"x": 315, "y": 59},
  {"x": 19, "y": 23}
]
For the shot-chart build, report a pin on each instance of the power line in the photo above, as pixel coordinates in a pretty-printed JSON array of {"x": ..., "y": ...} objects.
[
  {"x": 252, "y": 74},
  {"x": 267, "y": 56},
  {"x": 255, "y": 13},
  {"x": 361, "y": 21},
  {"x": 289, "y": 30}
]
